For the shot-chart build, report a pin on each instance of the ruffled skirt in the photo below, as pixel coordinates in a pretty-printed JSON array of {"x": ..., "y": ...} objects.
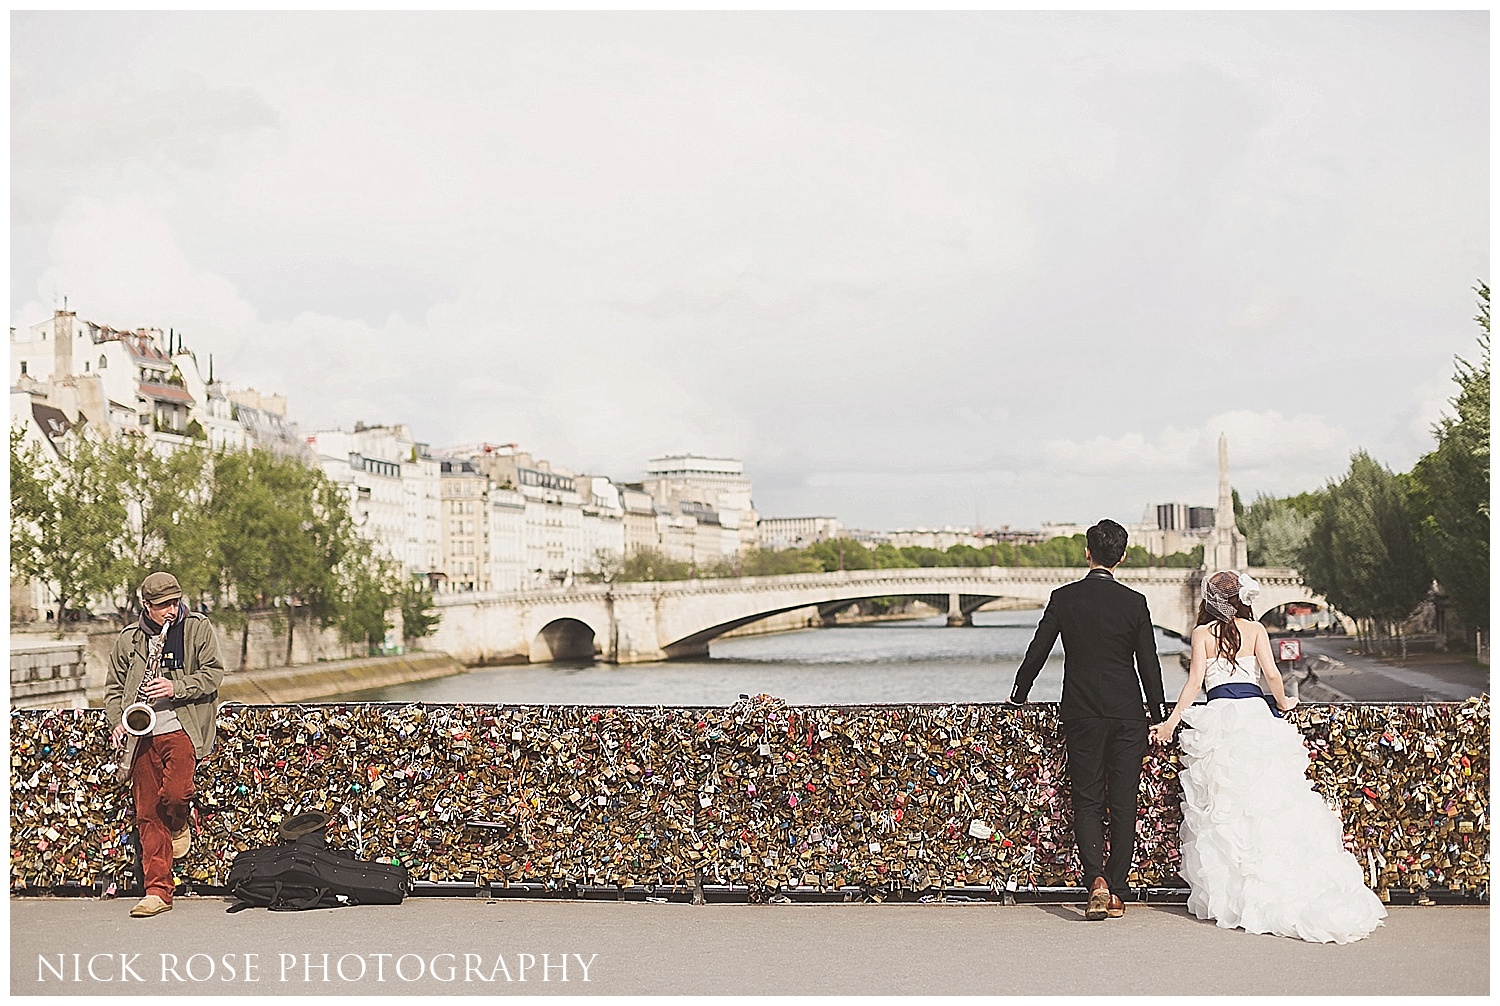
[{"x": 1260, "y": 849}]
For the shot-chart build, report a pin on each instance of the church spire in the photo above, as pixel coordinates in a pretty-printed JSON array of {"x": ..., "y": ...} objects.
[
  {"x": 1224, "y": 514},
  {"x": 1225, "y": 548}
]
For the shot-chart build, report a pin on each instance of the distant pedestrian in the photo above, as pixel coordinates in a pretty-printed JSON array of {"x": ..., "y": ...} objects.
[{"x": 165, "y": 671}]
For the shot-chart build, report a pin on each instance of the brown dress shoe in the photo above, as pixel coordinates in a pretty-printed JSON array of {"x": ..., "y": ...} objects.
[
  {"x": 1098, "y": 901},
  {"x": 1116, "y": 907}
]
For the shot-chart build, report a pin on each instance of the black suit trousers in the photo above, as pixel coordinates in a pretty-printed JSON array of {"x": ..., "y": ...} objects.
[{"x": 1105, "y": 757}]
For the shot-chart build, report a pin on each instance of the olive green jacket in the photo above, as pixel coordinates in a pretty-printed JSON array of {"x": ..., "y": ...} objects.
[{"x": 196, "y": 683}]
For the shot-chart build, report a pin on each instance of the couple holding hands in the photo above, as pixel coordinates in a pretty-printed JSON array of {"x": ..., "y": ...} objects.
[{"x": 1260, "y": 849}]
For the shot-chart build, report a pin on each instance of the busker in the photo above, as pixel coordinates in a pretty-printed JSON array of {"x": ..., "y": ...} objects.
[{"x": 163, "y": 682}]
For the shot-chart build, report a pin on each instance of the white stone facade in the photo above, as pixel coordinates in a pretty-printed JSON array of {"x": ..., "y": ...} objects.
[
  {"x": 941, "y": 539},
  {"x": 688, "y": 483},
  {"x": 778, "y": 533},
  {"x": 393, "y": 488}
]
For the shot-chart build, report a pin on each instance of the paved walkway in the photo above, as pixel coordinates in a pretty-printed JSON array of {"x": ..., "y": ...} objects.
[
  {"x": 1440, "y": 677},
  {"x": 640, "y": 948}
]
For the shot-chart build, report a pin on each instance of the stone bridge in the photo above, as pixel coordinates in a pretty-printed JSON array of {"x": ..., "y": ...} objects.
[{"x": 630, "y": 623}]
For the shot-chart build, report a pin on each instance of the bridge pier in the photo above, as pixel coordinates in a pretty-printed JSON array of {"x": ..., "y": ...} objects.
[
  {"x": 829, "y": 613},
  {"x": 957, "y": 616}
]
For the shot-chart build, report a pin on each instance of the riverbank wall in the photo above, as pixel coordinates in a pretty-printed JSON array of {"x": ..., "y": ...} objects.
[
  {"x": 759, "y": 795},
  {"x": 279, "y": 685},
  {"x": 270, "y": 643}
]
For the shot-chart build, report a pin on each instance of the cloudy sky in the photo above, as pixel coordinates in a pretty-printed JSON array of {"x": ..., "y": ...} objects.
[{"x": 913, "y": 269}]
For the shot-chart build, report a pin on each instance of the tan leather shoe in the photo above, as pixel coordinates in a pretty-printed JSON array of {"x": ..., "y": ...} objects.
[
  {"x": 1116, "y": 907},
  {"x": 1098, "y": 901},
  {"x": 182, "y": 841},
  {"x": 148, "y": 906}
]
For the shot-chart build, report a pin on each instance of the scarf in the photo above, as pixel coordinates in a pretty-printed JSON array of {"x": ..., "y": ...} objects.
[{"x": 173, "y": 652}]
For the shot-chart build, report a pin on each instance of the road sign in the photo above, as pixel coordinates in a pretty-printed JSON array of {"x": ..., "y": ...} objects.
[{"x": 1288, "y": 651}]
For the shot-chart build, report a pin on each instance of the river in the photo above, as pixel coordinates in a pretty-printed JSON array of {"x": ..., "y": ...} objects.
[{"x": 899, "y": 661}]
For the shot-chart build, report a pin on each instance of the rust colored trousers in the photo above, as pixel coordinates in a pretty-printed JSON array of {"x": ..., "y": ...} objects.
[{"x": 162, "y": 782}]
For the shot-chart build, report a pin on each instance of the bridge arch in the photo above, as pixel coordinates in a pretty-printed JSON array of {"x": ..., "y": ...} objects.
[
  {"x": 563, "y": 639},
  {"x": 1301, "y": 616},
  {"x": 696, "y": 643},
  {"x": 639, "y": 622}
]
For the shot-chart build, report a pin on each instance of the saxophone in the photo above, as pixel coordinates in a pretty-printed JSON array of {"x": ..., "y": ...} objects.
[{"x": 139, "y": 717}]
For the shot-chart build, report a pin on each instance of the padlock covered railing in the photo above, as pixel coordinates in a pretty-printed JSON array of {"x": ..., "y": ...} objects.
[{"x": 759, "y": 794}]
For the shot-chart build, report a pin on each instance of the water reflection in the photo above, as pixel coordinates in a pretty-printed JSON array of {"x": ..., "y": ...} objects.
[{"x": 907, "y": 661}]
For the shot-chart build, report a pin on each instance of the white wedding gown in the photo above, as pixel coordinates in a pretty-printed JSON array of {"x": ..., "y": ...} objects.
[{"x": 1260, "y": 849}]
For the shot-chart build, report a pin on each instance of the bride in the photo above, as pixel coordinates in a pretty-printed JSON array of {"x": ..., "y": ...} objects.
[{"x": 1260, "y": 849}]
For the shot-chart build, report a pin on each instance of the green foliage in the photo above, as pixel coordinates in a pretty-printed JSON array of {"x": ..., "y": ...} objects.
[
  {"x": 922, "y": 556},
  {"x": 649, "y": 565},
  {"x": 419, "y": 616},
  {"x": 1183, "y": 560},
  {"x": 242, "y": 531},
  {"x": 1277, "y": 530},
  {"x": 370, "y": 585},
  {"x": 840, "y": 553},
  {"x": 887, "y": 556},
  {"x": 167, "y": 497},
  {"x": 764, "y": 562},
  {"x": 68, "y": 518},
  {"x": 1451, "y": 487},
  {"x": 1362, "y": 551},
  {"x": 1054, "y": 552},
  {"x": 261, "y": 519}
]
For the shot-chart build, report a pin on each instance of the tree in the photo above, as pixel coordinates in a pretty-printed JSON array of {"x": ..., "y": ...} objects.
[
  {"x": 278, "y": 539},
  {"x": 370, "y": 588},
  {"x": 887, "y": 556},
  {"x": 166, "y": 497},
  {"x": 1451, "y": 487},
  {"x": 68, "y": 521},
  {"x": 651, "y": 565},
  {"x": 333, "y": 540},
  {"x": 1276, "y": 531},
  {"x": 1054, "y": 552},
  {"x": 419, "y": 615},
  {"x": 764, "y": 562},
  {"x": 1362, "y": 552},
  {"x": 834, "y": 554}
]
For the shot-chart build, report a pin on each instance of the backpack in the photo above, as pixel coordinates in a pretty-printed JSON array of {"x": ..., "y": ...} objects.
[{"x": 305, "y": 874}]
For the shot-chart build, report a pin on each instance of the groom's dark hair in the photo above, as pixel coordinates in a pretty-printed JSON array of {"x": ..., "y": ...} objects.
[{"x": 1107, "y": 542}]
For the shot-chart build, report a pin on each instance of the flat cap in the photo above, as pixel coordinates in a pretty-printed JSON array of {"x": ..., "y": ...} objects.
[
  {"x": 306, "y": 823},
  {"x": 159, "y": 587}
]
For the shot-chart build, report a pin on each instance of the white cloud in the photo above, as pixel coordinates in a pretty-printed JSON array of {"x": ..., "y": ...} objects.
[
  {"x": 895, "y": 261},
  {"x": 1267, "y": 452},
  {"x": 118, "y": 134},
  {"x": 121, "y": 262}
]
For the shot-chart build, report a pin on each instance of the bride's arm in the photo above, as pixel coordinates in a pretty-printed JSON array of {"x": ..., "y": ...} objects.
[
  {"x": 1197, "y": 666},
  {"x": 1268, "y": 669}
]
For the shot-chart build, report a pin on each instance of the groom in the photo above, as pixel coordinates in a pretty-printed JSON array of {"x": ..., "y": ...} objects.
[{"x": 1109, "y": 657}]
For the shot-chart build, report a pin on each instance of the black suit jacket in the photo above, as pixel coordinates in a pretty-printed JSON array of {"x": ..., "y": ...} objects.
[{"x": 1109, "y": 651}]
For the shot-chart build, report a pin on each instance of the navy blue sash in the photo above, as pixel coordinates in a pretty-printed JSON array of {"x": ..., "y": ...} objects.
[{"x": 1243, "y": 690}]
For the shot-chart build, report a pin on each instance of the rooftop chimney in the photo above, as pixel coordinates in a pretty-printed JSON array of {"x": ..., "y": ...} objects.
[{"x": 62, "y": 344}]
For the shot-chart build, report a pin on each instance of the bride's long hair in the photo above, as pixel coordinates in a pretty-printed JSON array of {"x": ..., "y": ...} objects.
[{"x": 1221, "y": 605}]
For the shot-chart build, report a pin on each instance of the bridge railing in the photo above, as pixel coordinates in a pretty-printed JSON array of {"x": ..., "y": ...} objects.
[
  {"x": 759, "y": 794},
  {"x": 917, "y": 574}
]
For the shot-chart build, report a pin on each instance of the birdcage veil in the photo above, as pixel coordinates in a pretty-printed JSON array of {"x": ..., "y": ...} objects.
[{"x": 1221, "y": 590}]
